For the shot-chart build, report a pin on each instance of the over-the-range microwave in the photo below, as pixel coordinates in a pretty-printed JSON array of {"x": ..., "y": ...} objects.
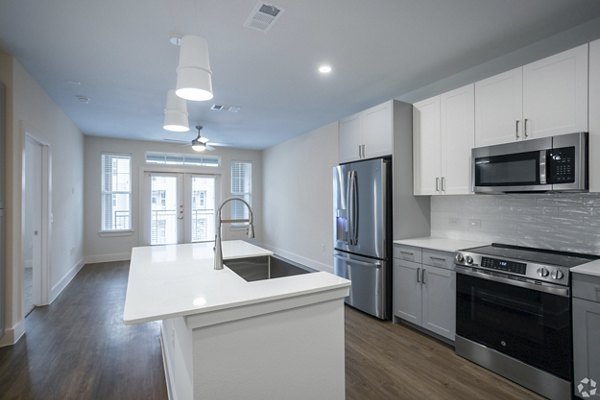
[{"x": 549, "y": 164}]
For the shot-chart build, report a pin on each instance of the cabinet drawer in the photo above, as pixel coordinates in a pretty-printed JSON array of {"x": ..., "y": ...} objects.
[
  {"x": 408, "y": 253},
  {"x": 441, "y": 259},
  {"x": 586, "y": 287}
]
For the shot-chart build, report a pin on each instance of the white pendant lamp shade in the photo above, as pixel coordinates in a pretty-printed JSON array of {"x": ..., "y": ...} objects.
[
  {"x": 176, "y": 115},
  {"x": 193, "y": 73}
]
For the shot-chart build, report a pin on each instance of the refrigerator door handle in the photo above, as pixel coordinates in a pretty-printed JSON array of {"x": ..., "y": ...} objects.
[
  {"x": 350, "y": 207},
  {"x": 355, "y": 216},
  {"x": 354, "y": 261}
]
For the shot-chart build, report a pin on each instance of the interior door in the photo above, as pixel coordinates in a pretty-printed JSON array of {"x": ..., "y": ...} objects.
[{"x": 179, "y": 208}]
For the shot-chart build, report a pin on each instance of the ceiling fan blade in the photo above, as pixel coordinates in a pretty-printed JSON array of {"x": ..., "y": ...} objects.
[
  {"x": 210, "y": 148},
  {"x": 177, "y": 141}
]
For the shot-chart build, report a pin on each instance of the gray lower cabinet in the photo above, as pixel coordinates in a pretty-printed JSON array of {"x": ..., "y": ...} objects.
[
  {"x": 586, "y": 334},
  {"x": 425, "y": 295}
]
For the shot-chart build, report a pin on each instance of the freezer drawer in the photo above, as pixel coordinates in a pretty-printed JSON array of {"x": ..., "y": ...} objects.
[{"x": 369, "y": 291}]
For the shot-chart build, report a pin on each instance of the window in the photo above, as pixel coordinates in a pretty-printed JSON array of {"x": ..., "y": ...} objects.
[
  {"x": 182, "y": 159},
  {"x": 241, "y": 186},
  {"x": 116, "y": 192}
]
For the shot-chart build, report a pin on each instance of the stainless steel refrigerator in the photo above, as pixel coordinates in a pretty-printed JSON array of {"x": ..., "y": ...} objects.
[
  {"x": 362, "y": 210},
  {"x": 2, "y": 191}
]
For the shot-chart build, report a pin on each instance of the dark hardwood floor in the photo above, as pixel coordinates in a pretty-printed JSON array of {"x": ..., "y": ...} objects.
[
  {"x": 79, "y": 348},
  {"x": 393, "y": 361}
]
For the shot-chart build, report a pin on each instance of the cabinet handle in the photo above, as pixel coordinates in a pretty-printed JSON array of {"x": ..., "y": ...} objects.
[
  {"x": 423, "y": 276},
  {"x": 525, "y": 128},
  {"x": 438, "y": 258},
  {"x": 363, "y": 147},
  {"x": 359, "y": 152},
  {"x": 437, "y": 184},
  {"x": 443, "y": 183},
  {"x": 418, "y": 275},
  {"x": 517, "y": 128},
  {"x": 408, "y": 253}
]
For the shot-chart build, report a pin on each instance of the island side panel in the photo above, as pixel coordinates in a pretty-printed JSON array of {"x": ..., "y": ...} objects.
[
  {"x": 290, "y": 354},
  {"x": 176, "y": 346}
]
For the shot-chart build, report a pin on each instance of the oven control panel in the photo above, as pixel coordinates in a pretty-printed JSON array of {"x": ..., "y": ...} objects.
[
  {"x": 504, "y": 265},
  {"x": 516, "y": 268}
]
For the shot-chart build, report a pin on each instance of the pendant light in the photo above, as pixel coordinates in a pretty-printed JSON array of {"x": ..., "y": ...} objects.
[
  {"x": 176, "y": 115},
  {"x": 193, "y": 73}
]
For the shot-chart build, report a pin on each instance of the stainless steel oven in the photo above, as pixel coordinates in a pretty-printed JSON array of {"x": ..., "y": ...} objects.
[
  {"x": 513, "y": 314},
  {"x": 556, "y": 163}
]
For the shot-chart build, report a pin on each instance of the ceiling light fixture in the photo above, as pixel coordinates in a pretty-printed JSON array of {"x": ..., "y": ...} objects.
[
  {"x": 176, "y": 115},
  {"x": 198, "y": 145},
  {"x": 325, "y": 69},
  {"x": 194, "y": 80}
]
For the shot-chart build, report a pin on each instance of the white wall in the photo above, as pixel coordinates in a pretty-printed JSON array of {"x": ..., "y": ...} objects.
[
  {"x": 298, "y": 197},
  {"x": 100, "y": 247},
  {"x": 31, "y": 110}
]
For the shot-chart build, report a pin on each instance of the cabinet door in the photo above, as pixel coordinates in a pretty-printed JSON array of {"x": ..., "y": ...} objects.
[
  {"x": 586, "y": 342},
  {"x": 426, "y": 146},
  {"x": 458, "y": 138},
  {"x": 594, "y": 138},
  {"x": 350, "y": 138},
  {"x": 439, "y": 301},
  {"x": 407, "y": 291},
  {"x": 499, "y": 108},
  {"x": 555, "y": 94},
  {"x": 377, "y": 130}
]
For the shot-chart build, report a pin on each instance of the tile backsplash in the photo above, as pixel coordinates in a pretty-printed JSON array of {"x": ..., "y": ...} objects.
[{"x": 558, "y": 221}]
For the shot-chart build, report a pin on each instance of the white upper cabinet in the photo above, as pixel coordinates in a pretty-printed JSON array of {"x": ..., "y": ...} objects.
[
  {"x": 499, "y": 108},
  {"x": 555, "y": 94},
  {"x": 594, "y": 138},
  {"x": 443, "y": 135},
  {"x": 544, "y": 98},
  {"x": 350, "y": 138},
  {"x": 458, "y": 137},
  {"x": 367, "y": 134},
  {"x": 377, "y": 127},
  {"x": 427, "y": 146}
]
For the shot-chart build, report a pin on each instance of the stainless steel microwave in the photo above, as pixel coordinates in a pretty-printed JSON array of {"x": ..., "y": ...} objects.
[{"x": 554, "y": 163}]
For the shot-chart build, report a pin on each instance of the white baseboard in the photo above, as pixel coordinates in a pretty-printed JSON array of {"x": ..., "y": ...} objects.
[
  {"x": 100, "y": 258},
  {"x": 62, "y": 284},
  {"x": 309, "y": 262},
  {"x": 12, "y": 335}
]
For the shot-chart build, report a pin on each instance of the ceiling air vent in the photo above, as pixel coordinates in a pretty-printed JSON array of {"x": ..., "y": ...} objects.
[
  {"x": 262, "y": 17},
  {"x": 217, "y": 107}
]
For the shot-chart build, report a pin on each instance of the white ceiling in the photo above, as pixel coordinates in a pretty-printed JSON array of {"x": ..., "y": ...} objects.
[{"x": 380, "y": 49}]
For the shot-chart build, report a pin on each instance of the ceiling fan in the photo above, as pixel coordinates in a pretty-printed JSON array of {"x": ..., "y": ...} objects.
[{"x": 201, "y": 143}]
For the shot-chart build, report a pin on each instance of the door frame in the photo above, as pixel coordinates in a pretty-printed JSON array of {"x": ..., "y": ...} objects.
[
  {"x": 161, "y": 169},
  {"x": 46, "y": 217}
]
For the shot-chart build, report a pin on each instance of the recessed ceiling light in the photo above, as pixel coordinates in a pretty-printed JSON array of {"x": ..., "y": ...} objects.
[{"x": 325, "y": 69}]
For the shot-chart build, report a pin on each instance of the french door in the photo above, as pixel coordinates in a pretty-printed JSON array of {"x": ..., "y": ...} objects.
[{"x": 179, "y": 208}]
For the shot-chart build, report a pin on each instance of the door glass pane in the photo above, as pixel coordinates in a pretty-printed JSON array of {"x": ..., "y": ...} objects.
[
  {"x": 163, "y": 210},
  {"x": 203, "y": 208}
]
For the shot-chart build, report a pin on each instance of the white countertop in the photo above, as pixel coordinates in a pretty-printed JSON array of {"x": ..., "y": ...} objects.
[
  {"x": 592, "y": 268},
  {"x": 179, "y": 280},
  {"x": 442, "y": 244}
]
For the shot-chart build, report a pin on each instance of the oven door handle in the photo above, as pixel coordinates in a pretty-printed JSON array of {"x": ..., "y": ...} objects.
[{"x": 557, "y": 290}]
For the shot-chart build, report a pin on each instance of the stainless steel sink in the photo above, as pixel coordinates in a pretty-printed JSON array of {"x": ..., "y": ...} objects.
[{"x": 257, "y": 268}]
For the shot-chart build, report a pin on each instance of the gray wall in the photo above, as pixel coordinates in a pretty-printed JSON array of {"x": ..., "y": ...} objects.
[
  {"x": 554, "y": 44},
  {"x": 566, "y": 221}
]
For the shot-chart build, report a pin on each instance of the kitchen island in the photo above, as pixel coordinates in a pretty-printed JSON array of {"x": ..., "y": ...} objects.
[{"x": 225, "y": 338}]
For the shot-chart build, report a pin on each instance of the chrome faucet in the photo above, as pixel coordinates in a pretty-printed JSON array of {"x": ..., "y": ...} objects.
[{"x": 218, "y": 249}]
